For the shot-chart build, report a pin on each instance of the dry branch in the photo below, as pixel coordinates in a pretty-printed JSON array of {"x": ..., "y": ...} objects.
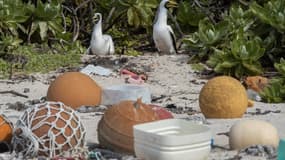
[{"x": 14, "y": 93}]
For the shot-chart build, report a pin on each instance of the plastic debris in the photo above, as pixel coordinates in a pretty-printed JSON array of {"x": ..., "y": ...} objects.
[
  {"x": 115, "y": 94},
  {"x": 251, "y": 94},
  {"x": 172, "y": 139},
  {"x": 260, "y": 150},
  {"x": 88, "y": 109},
  {"x": 91, "y": 69},
  {"x": 256, "y": 83},
  {"x": 198, "y": 119},
  {"x": 95, "y": 155},
  {"x": 133, "y": 77},
  {"x": 134, "y": 81},
  {"x": 281, "y": 149}
]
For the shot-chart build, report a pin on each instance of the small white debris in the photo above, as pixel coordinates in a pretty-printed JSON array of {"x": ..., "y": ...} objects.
[{"x": 91, "y": 69}]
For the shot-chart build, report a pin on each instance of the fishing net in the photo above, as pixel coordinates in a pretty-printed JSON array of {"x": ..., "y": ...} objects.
[
  {"x": 47, "y": 130},
  {"x": 5, "y": 121}
]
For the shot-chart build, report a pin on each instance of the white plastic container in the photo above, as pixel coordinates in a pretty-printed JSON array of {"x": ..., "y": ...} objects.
[
  {"x": 172, "y": 139},
  {"x": 117, "y": 93}
]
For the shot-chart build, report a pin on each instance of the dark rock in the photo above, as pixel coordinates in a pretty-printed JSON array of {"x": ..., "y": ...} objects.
[
  {"x": 260, "y": 150},
  {"x": 19, "y": 106},
  {"x": 26, "y": 90}
]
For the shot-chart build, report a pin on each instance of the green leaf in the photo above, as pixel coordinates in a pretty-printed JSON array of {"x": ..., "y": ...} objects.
[
  {"x": 143, "y": 16},
  {"x": 55, "y": 27},
  {"x": 43, "y": 29},
  {"x": 247, "y": 48},
  {"x": 189, "y": 15},
  {"x": 273, "y": 13},
  {"x": 198, "y": 67},
  {"x": 46, "y": 11},
  {"x": 34, "y": 27},
  {"x": 280, "y": 67},
  {"x": 253, "y": 68},
  {"x": 209, "y": 34},
  {"x": 151, "y": 3},
  {"x": 274, "y": 92},
  {"x": 228, "y": 64},
  {"x": 130, "y": 14}
]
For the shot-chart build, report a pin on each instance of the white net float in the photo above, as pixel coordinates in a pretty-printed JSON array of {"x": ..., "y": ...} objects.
[{"x": 48, "y": 130}]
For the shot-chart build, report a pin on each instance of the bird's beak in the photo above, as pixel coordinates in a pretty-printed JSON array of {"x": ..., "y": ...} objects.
[{"x": 171, "y": 4}]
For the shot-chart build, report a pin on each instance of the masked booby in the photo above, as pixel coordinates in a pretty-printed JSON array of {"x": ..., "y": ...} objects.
[
  {"x": 101, "y": 44},
  {"x": 163, "y": 35}
]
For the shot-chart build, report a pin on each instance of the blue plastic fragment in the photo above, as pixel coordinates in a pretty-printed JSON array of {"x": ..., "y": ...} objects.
[
  {"x": 212, "y": 142},
  {"x": 281, "y": 150}
]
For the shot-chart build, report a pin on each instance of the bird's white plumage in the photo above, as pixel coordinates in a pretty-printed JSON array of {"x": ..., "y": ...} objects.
[
  {"x": 163, "y": 34},
  {"x": 101, "y": 44}
]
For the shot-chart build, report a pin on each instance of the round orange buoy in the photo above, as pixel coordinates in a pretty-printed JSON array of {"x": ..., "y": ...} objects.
[
  {"x": 74, "y": 89},
  {"x": 6, "y": 129},
  {"x": 47, "y": 130}
]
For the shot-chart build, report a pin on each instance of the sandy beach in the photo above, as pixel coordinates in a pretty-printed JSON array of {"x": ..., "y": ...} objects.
[{"x": 169, "y": 77}]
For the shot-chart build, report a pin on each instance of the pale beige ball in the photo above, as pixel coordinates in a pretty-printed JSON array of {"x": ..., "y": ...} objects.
[{"x": 252, "y": 132}]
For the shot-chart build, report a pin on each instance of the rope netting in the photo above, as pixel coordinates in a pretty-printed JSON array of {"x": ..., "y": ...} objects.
[{"x": 47, "y": 130}]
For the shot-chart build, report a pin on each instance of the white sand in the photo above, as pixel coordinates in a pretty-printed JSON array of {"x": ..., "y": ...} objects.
[{"x": 170, "y": 76}]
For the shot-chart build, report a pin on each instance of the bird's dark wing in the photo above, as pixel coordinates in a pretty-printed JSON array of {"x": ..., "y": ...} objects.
[{"x": 173, "y": 38}]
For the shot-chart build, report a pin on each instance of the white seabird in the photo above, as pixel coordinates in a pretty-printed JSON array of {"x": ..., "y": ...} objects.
[
  {"x": 101, "y": 44},
  {"x": 163, "y": 34}
]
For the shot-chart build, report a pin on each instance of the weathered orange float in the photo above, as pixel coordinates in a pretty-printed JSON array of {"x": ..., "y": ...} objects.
[
  {"x": 74, "y": 89},
  {"x": 6, "y": 129},
  {"x": 115, "y": 129},
  {"x": 47, "y": 130}
]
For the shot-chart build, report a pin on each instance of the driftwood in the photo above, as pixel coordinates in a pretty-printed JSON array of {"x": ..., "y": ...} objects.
[{"x": 14, "y": 93}]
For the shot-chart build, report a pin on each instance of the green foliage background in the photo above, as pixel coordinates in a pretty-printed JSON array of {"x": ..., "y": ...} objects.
[
  {"x": 236, "y": 38},
  {"x": 247, "y": 38}
]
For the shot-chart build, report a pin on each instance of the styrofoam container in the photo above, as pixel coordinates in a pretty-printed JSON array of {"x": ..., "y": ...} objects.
[
  {"x": 117, "y": 93},
  {"x": 172, "y": 139}
]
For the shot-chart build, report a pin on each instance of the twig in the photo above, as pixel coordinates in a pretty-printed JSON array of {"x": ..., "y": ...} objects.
[
  {"x": 15, "y": 93},
  {"x": 116, "y": 19},
  {"x": 68, "y": 9},
  {"x": 110, "y": 15},
  {"x": 81, "y": 5},
  {"x": 76, "y": 28},
  {"x": 75, "y": 22},
  {"x": 7, "y": 81},
  {"x": 64, "y": 21},
  {"x": 244, "y": 3},
  {"x": 271, "y": 74},
  {"x": 205, "y": 11}
]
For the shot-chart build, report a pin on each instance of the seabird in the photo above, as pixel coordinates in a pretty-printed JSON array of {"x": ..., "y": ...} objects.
[
  {"x": 163, "y": 35},
  {"x": 101, "y": 44}
]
